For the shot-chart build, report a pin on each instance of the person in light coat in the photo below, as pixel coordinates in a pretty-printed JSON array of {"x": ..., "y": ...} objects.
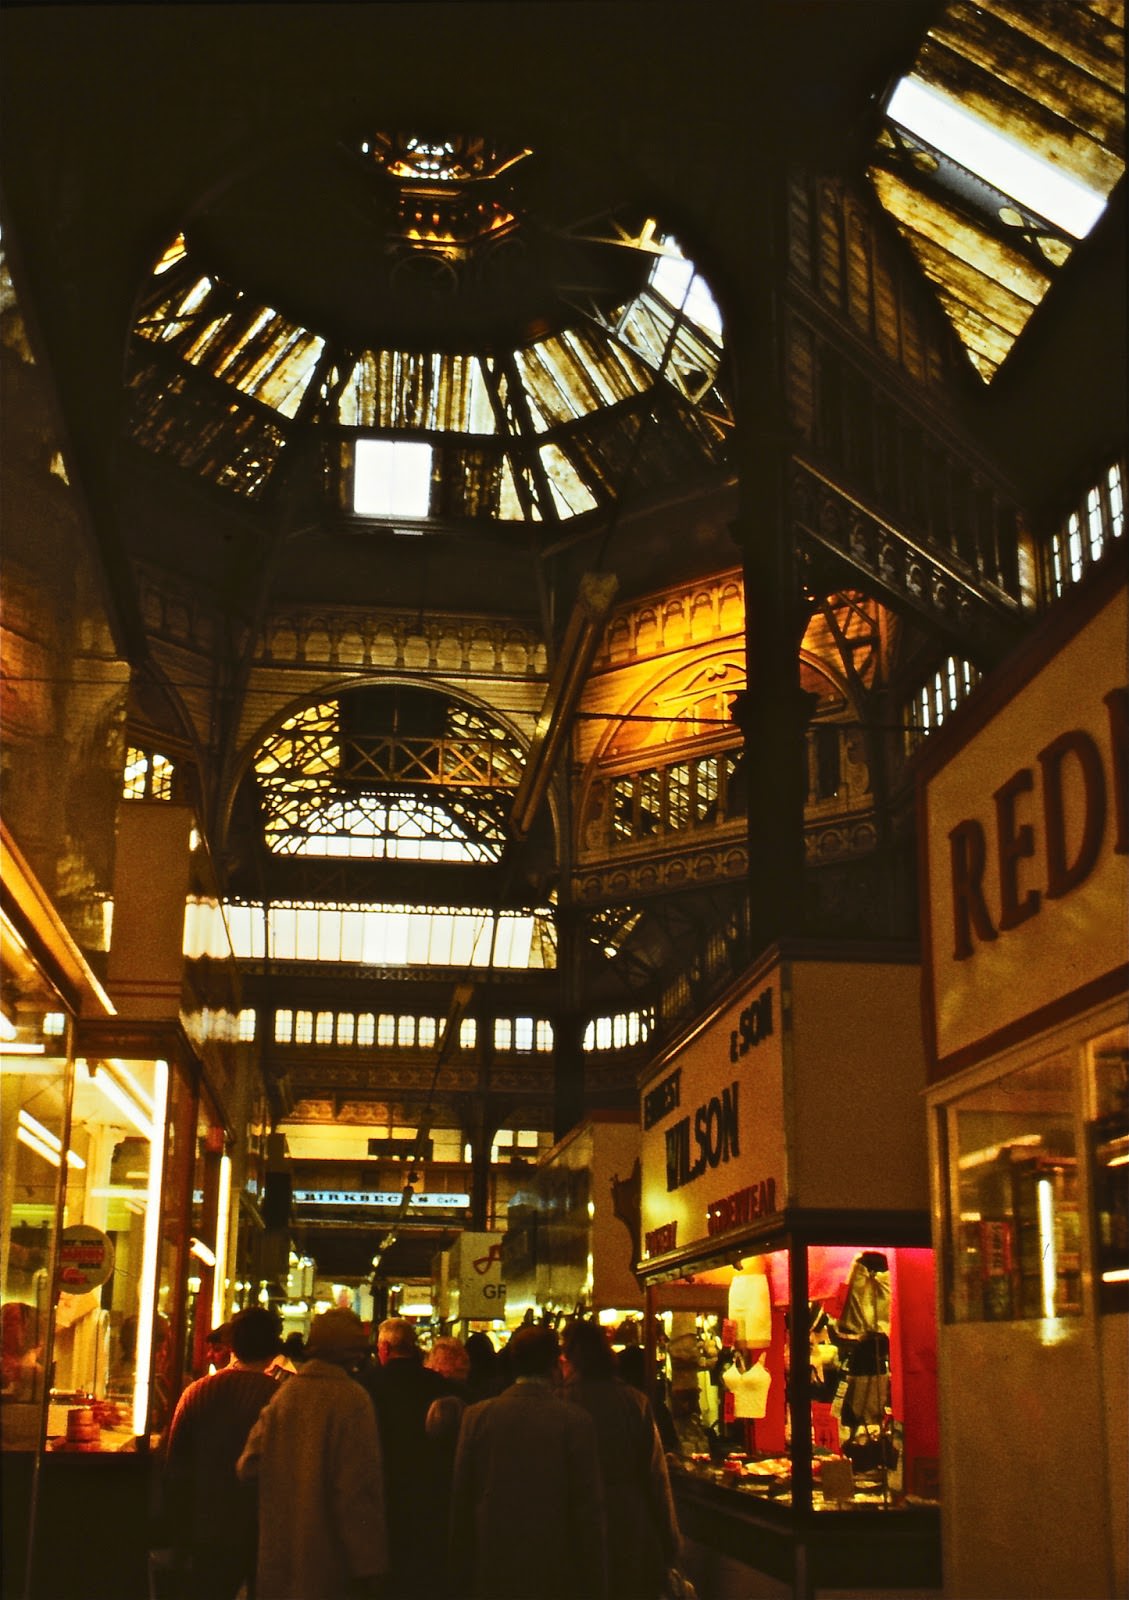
[{"x": 315, "y": 1452}]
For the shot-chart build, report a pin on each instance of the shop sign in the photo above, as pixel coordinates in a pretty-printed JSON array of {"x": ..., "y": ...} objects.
[
  {"x": 381, "y": 1199},
  {"x": 86, "y": 1258},
  {"x": 753, "y": 1024},
  {"x": 715, "y": 1139},
  {"x": 662, "y": 1239},
  {"x": 662, "y": 1099},
  {"x": 477, "y": 1285},
  {"x": 984, "y": 866},
  {"x": 1025, "y": 833},
  {"x": 712, "y": 1125},
  {"x": 750, "y": 1204}
]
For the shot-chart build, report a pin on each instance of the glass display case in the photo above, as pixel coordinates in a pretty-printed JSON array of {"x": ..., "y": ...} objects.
[
  {"x": 1013, "y": 1151},
  {"x": 795, "y": 1384},
  {"x": 1108, "y": 1145},
  {"x": 99, "y": 1126},
  {"x": 861, "y": 1407},
  {"x": 35, "y": 1077}
]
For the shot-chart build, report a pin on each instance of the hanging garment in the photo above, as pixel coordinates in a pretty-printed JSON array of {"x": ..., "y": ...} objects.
[
  {"x": 750, "y": 1307},
  {"x": 866, "y": 1308}
]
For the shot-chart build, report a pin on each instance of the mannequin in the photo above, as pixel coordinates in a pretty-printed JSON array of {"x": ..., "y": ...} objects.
[
  {"x": 864, "y": 1326},
  {"x": 750, "y": 1307},
  {"x": 749, "y": 1387}
]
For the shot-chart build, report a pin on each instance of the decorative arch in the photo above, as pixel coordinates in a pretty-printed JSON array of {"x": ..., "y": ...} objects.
[{"x": 383, "y": 767}]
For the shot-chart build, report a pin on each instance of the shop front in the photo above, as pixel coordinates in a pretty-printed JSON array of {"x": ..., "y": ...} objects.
[
  {"x": 104, "y": 1283},
  {"x": 571, "y": 1239},
  {"x": 1024, "y": 824},
  {"x": 113, "y": 1251},
  {"x": 789, "y": 1280}
]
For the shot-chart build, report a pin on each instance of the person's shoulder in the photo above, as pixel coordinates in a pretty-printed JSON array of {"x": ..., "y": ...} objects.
[
  {"x": 202, "y": 1391},
  {"x": 474, "y": 1413},
  {"x": 189, "y": 1401},
  {"x": 251, "y": 1381},
  {"x": 630, "y": 1397}
]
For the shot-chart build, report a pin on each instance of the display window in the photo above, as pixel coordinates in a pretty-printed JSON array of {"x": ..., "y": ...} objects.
[
  {"x": 98, "y": 1157},
  {"x": 855, "y": 1425},
  {"x": 34, "y": 1083},
  {"x": 1014, "y": 1221},
  {"x": 1108, "y": 1140},
  {"x": 207, "y": 1245},
  {"x": 111, "y": 1353}
]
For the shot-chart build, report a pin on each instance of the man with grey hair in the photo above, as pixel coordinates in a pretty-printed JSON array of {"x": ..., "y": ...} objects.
[{"x": 402, "y": 1391}]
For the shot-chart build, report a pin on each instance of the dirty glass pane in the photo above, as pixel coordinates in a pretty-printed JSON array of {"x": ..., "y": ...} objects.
[{"x": 1014, "y": 1228}]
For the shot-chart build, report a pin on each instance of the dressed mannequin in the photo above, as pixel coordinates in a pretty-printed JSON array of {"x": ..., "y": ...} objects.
[
  {"x": 864, "y": 1327},
  {"x": 750, "y": 1308},
  {"x": 749, "y": 1387}
]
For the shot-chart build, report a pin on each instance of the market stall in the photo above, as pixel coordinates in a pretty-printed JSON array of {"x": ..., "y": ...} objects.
[{"x": 789, "y": 1274}]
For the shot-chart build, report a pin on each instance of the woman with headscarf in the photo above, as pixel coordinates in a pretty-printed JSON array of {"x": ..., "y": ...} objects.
[{"x": 315, "y": 1452}]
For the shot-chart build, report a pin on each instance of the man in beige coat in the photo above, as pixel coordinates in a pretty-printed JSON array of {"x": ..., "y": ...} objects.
[{"x": 315, "y": 1451}]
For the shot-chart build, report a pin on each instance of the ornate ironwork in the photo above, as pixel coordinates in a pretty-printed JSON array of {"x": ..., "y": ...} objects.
[{"x": 903, "y": 569}]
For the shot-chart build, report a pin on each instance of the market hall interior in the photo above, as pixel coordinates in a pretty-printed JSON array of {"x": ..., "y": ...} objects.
[{"x": 563, "y": 745}]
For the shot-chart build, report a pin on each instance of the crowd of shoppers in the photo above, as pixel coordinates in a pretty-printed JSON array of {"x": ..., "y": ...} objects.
[{"x": 348, "y": 1472}]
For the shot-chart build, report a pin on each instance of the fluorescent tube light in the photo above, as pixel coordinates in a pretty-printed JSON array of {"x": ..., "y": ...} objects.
[
  {"x": 129, "y": 1108},
  {"x": 223, "y": 1219},
  {"x": 132, "y": 1087},
  {"x": 150, "y": 1250},
  {"x": 38, "y": 1146},
  {"x": 34, "y": 1126}
]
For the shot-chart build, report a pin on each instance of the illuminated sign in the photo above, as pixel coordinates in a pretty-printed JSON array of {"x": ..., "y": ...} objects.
[
  {"x": 753, "y": 1024},
  {"x": 707, "y": 1127},
  {"x": 664, "y": 1097},
  {"x": 746, "y": 1205},
  {"x": 715, "y": 1139},
  {"x": 380, "y": 1199}
]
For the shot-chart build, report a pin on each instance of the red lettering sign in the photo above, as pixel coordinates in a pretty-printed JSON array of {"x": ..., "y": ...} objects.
[
  {"x": 659, "y": 1240},
  {"x": 744, "y": 1206}
]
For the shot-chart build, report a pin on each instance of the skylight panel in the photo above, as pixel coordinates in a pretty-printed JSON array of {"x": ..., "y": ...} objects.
[
  {"x": 571, "y": 494},
  {"x": 370, "y": 828},
  {"x": 396, "y": 935},
  {"x": 999, "y": 160},
  {"x": 682, "y": 285},
  {"x": 173, "y": 253},
  {"x": 391, "y": 478},
  {"x": 594, "y": 367}
]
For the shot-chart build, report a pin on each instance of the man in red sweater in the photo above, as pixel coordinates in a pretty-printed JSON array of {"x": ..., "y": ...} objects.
[{"x": 211, "y": 1517}]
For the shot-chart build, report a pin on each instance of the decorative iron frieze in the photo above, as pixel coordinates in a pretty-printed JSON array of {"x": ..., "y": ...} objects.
[{"x": 827, "y": 517}]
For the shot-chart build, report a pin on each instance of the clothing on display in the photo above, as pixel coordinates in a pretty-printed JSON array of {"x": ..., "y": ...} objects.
[
  {"x": 749, "y": 1388},
  {"x": 825, "y": 1357},
  {"x": 866, "y": 1308},
  {"x": 750, "y": 1308},
  {"x": 864, "y": 1326}
]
